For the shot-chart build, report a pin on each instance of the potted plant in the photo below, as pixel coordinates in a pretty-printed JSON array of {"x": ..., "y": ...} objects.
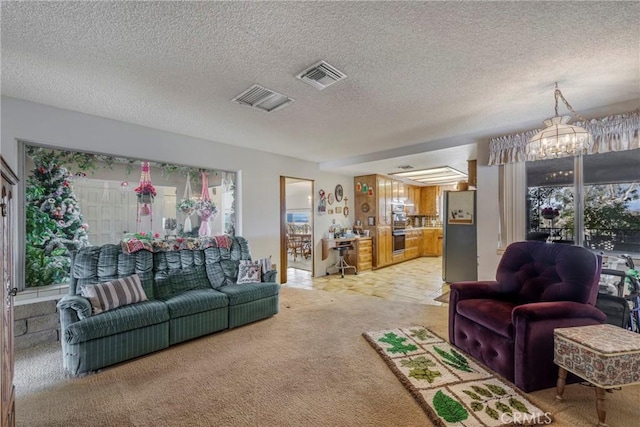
[
  {"x": 146, "y": 192},
  {"x": 549, "y": 213},
  {"x": 187, "y": 206}
]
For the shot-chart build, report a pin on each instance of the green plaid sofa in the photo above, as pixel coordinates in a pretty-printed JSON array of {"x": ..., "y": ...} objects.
[{"x": 191, "y": 292}]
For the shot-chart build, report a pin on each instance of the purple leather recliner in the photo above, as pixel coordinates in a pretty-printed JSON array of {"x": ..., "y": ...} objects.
[{"x": 508, "y": 324}]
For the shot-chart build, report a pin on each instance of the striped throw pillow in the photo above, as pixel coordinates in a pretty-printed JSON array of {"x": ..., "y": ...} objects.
[{"x": 109, "y": 295}]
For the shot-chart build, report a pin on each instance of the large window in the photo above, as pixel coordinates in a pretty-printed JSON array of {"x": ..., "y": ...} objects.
[
  {"x": 75, "y": 199},
  {"x": 593, "y": 200}
]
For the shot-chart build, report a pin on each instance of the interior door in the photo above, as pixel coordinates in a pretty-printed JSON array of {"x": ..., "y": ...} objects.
[{"x": 8, "y": 292}]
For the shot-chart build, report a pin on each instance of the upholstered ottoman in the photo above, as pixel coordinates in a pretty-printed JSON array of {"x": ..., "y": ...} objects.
[{"x": 605, "y": 355}]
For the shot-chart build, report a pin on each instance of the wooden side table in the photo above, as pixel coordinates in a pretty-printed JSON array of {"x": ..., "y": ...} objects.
[{"x": 604, "y": 355}]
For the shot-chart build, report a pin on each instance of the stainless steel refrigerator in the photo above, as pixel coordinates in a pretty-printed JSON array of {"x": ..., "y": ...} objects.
[{"x": 460, "y": 243}]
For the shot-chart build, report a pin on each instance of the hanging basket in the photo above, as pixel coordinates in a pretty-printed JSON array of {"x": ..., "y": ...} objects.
[{"x": 145, "y": 198}]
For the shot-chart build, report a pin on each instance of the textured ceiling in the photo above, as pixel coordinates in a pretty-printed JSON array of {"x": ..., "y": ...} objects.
[{"x": 421, "y": 75}]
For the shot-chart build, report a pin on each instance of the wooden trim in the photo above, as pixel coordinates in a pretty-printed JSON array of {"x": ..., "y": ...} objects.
[
  {"x": 283, "y": 229},
  {"x": 7, "y": 172}
]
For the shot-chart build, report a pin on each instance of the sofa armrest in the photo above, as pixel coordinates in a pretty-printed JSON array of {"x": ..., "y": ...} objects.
[
  {"x": 556, "y": 310},
  {"x": 270, "y": 276},
  {"x": 74, "y": 308}
]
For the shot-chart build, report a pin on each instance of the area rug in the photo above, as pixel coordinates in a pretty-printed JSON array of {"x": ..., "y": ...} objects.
[
  {"x": 444, "y": 298},
  {"x": 450, "y": 386}
]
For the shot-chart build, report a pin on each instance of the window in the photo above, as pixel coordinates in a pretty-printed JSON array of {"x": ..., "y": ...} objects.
[
  {"x": 593, "y": 200},
  {"x": 299, "y": 216},
  {"x": 75, "y": 199}
]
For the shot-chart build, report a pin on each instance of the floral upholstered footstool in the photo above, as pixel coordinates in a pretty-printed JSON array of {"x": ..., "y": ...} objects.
[{"x": 607, "y": 356}]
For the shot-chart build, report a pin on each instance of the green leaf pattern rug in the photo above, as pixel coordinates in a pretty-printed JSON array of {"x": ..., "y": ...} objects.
[{"x": 451, "y": 387}]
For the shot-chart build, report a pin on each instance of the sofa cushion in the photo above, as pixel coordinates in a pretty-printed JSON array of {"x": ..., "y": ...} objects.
[
  {"x": 121, "y": 319},
  {"x": 194, "y": 301},
  {"x": 179, "y": 271},
  {"x": 494, "y": 315},
  {"x": 241, "y": 293},
  {"x": 109, "y": 295},
  {"x": 99, "y": 264},
  {"x": 222, "y": 262}
]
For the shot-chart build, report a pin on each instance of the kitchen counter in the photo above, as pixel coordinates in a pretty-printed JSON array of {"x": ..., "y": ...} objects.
[{"x": 423, "y": 228}]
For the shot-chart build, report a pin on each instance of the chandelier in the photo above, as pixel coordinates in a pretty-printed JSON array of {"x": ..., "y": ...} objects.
[{"x": 559, "y": 139}]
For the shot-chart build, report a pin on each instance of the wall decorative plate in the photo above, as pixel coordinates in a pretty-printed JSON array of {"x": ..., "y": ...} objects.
[
  {"x": 358, "y": 187},
  {"x": 338, "y": 192},
  {"x": 365, "y": 207},
  {"x": 330, "y": 198}
]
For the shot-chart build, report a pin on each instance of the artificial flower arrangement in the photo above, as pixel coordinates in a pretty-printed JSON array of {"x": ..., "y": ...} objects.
[
  {"x": 187, "y": 206},
  {"x": 206, "y": 209},
  {"x": 549, "y": 212},
  {"x": 146, "y": 188}
]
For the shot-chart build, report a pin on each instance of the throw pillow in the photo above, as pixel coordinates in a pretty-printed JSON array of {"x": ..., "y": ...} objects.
[
  {"x": 265, "y": 263},
  {"x": 249, "y": 272},
  {"x": 109, "y": 295}
]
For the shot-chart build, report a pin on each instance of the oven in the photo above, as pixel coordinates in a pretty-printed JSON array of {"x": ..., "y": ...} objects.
[{"x": 398, "y": 241}]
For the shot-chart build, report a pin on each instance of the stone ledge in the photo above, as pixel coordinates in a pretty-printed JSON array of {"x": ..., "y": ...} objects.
[
  {"x": 33, "y": 310},
  {"x": 42, "y": 323},
  {"x": 36, "y": 338}
]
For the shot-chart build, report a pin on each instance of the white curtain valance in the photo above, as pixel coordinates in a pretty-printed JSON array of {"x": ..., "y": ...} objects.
[{"x": 612, "y": 133}]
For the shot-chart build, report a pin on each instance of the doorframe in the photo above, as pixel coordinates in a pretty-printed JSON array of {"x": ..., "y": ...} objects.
[{"x": 283, "y": 226}]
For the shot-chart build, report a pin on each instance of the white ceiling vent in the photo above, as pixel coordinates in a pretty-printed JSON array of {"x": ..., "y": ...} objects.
[
  {"x": 264, "y": 99},
  {"x": 321, "y": 75}
]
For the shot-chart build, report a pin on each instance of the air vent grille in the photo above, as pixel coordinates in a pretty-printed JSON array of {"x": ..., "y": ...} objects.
[
  {"x": 264, "y": 99},
  {"x": 321, "y": 75}
]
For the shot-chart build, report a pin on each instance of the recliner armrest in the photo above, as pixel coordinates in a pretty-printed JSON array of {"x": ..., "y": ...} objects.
[
  {"x": 270, "y": 276},
  {"x": 475, "y": 289},
  {"x": 556, "y": 310},
  {"x": 79, "y": 305}
]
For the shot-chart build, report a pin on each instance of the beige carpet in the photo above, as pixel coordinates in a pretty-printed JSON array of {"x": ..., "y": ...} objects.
[{"x": 307, "y": 366}]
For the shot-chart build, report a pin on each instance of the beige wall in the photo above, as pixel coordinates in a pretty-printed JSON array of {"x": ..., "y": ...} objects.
[{"x": 258, "y": 172}]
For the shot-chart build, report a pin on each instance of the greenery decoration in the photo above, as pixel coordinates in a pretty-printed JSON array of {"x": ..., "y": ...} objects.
[
  {"x": 518, "y": 405},
  {"x": 448, "y": 408},
  {"x": 421, "y": 369},
  {"x": 187, "y": 206},
  {"x": 421, "y": 334},
  {"x": 397, "y": 343},
  {"x": 54, "y": 224},
  {"x": 454, "y": 359}
]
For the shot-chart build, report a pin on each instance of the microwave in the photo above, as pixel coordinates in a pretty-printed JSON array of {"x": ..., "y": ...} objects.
[{"x": 397, "y": 208}]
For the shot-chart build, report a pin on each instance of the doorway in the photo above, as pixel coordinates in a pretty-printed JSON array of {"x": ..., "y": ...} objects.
[{"x": 296, "y": 225}]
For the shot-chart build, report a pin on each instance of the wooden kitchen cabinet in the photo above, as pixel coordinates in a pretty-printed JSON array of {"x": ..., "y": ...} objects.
[
  {"x": 412, "y": 243},
  {"x": 382, "y": 196},
  {"x": 365, "y": 254},
  {"x": 383, "y": 246},
  {"x": 413, "y": 199},
  {"x": 428, "y": 197},
  {"x": 431, "y": 242}
]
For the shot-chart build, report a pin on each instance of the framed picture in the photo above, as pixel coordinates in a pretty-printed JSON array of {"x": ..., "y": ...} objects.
[
  {"x": 338, "y": 209},
  {"x": 371, "y": 221},
  {"x": 330, "y": 198},
  {"x": 330, "y": 211},
  {"x": 338, "y": 192},
  {"x": 345, "y": 211}
]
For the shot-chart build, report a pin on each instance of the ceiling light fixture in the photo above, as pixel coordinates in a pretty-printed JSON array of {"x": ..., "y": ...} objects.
[
  {"x": 435, "y": 176},
  {"x": 559, "y": 139}
]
